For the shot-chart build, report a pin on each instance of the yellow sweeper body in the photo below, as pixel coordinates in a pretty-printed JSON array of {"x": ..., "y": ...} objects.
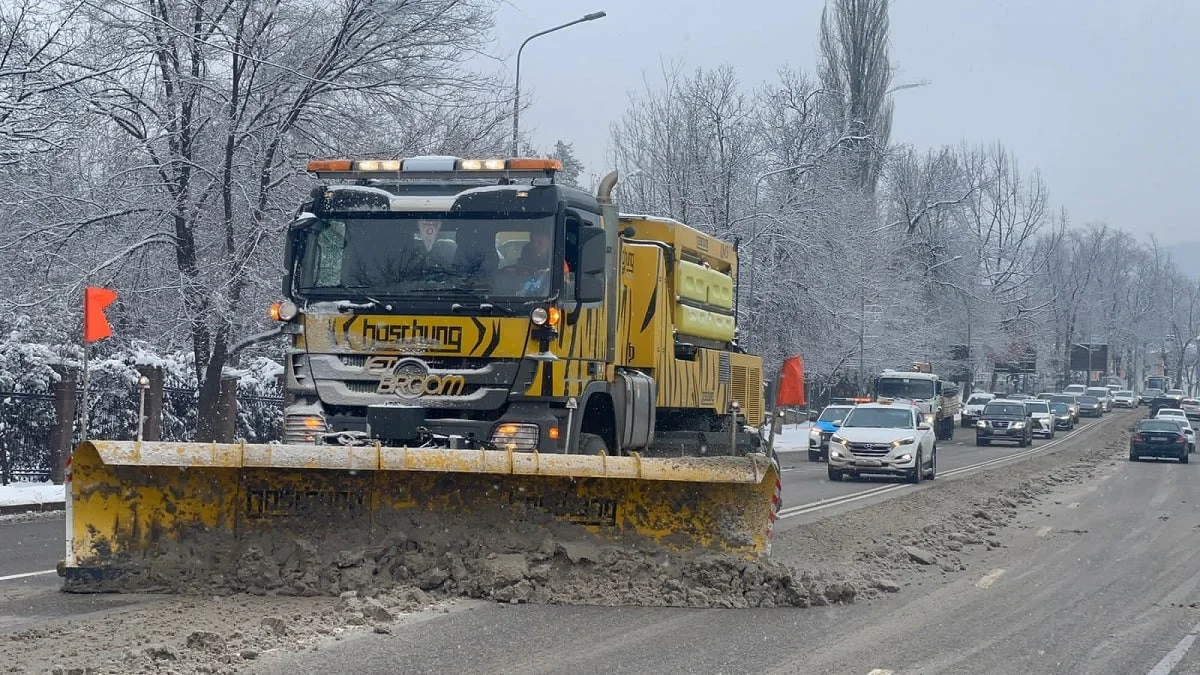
[{"x": 608, "y": 401}]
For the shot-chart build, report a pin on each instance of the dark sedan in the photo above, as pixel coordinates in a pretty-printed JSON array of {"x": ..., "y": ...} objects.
[
  {"x": 1063, "y": 419},
  {"x": 1090, "y": 406},
  {"x": 1158, "y": 438}
]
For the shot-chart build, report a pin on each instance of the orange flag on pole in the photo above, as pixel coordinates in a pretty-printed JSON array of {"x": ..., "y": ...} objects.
[
  {"x": 95, "y": 324},
  {"x": 791, "y": 383}
]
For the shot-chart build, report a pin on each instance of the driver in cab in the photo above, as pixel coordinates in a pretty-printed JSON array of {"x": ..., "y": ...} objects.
[{"x": 535, "y": 266}]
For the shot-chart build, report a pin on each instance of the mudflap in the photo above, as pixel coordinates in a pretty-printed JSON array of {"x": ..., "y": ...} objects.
[{"x": 183, "y": 517}]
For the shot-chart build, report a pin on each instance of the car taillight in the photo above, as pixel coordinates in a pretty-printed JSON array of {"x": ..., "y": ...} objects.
[
  {"x": 1181, "y": 439},
  {"x": 1138, "y": 437}
]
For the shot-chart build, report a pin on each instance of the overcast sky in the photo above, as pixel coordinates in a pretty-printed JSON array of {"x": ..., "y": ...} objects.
[{"x": 1102, "y": 95}]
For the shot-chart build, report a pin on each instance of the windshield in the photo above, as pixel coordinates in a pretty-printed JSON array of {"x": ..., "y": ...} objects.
[
  {"x": 1037, "y": 408},
  {"x": 1158, "y": 425},
  {"x": 1170, "y": 412},
  {"x": 832, "y": 414},
  {"x": 879, "y": 418},
  {"x": 903, "y": 387},
  {"x": 978, "y": 400},
  {"x": 1004, "y": 410},
  {"x": 488, "y": 258},
  {"x": 1174, "y": 392},
  {"x": 1075, "y": 388},
  {"x": 1066, "y": 399},
  {"x": 1060, "y": 408},
  {"x": 1090, "y": 400}
]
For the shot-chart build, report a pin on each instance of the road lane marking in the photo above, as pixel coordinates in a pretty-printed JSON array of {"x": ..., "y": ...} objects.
[
  {"x": 24, "y": 575},
  {"x": 1044, "y": 530},
  {"x": 880, "y": 671},
  {"x": 1173, "y": 657},
  {"x": 989, "y": 578}
]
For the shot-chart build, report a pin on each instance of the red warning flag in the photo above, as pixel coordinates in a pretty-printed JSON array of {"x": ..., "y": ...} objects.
[
  {"x": 791, "y": 383},
  {"x": 95, "y": 324}
]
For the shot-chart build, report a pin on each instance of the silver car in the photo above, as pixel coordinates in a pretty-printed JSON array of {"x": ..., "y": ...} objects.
[{"x": 882, "y": 438}]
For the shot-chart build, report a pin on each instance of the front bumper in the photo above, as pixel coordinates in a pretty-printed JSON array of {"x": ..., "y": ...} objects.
[
  {"x": 1063, "y": 422},
  {"x": 841, "y": 459},
  {"x": 1008, "y": 434},
  {"x": 1044, "y": 430},
  {"x": 1094, "y": 412}
]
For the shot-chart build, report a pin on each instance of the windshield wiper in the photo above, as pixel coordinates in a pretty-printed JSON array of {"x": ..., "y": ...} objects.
[
  {"x": 360, "y": 300},
  {"x": 482, "y": 307}
]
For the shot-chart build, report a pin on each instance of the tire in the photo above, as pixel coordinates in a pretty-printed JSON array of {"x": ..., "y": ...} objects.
[
  {"x": 1185, "y": 458},
  {"x": 835, "y": 475},
  {"x": 918, "y": 473},
  {"x": 1134, "y": 458},
  {"x": 932, "y": 465},
  {"x": 814, "y": 456},
  {"x": 979, "y": 442},
  {"x": 591, "y": 444}
]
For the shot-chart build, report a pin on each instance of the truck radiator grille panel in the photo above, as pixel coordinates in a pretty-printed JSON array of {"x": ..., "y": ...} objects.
[{"x": 747, "y": 382}]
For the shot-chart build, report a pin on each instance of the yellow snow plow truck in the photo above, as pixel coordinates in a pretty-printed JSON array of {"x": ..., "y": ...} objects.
[{"x": 467, "y": 339}]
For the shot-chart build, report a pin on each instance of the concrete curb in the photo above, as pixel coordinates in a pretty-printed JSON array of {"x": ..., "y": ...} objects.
[{"x": 15, "y": 509}]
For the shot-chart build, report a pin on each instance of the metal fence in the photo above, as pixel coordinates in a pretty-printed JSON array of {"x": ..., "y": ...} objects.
[{"x": 27, "y": 421}]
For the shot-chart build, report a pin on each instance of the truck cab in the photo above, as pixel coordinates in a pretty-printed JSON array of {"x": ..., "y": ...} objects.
[
  {"x": 478, "y": 303},
  {"x": 937, "y": 401}
]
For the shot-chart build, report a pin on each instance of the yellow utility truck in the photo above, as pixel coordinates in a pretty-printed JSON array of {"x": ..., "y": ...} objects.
[{"x": 469, "y": 336}]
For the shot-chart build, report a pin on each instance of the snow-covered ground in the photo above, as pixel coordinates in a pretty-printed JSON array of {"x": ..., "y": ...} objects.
[
  {"x": 15, "y": 494},
  {"x": 793, "y": 438}
]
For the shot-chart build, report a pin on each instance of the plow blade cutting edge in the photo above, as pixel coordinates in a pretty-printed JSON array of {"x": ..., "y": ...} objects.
[{"x": 161, "y": 515}]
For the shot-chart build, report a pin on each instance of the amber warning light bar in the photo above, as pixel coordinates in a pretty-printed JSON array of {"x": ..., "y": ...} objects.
[{"x": 413, "y": 167}]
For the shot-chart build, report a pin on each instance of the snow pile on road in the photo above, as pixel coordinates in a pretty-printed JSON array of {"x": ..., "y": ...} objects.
[
  {"x": 490, "y": 556},
  {"x": 17, "y": 494}
]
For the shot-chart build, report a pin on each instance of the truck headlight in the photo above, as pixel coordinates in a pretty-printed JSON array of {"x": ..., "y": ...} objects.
[{"x": 516, "y": 436}]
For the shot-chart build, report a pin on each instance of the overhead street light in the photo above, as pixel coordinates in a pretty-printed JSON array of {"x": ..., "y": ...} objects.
[{"x": 517, "y": 88}]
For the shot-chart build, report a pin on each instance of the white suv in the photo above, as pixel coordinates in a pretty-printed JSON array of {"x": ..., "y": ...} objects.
[
  {"x": 974, "y": 408},
  {"x": 883, "y": 438}
]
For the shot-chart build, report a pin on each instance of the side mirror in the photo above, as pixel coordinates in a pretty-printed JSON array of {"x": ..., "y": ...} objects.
[
  {"x": 836, "y": 425},
  {"x": 593, "y": 251},
  {"x": 924, "y": 427}
]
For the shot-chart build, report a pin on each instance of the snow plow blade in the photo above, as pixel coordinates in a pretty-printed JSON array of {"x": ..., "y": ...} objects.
[{"x": 145, "y": 516}]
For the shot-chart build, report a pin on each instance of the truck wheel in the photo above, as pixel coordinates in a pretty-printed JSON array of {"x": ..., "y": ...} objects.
[{"x": 591, "y": 444}]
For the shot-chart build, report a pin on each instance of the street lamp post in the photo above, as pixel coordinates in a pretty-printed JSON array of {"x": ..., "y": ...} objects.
[{"x": 517, "y": 88}]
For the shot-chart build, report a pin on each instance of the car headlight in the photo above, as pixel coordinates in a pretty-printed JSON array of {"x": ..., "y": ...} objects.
[
  {"x": 904, "y": 441},
  {"x": 981, "y": 424},
  {"x": 835, "y": 453},
  {"x": 815, "y": 434},
  {"x": 837, "y": 439},
  {"x": 1018, "y": 425}
]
